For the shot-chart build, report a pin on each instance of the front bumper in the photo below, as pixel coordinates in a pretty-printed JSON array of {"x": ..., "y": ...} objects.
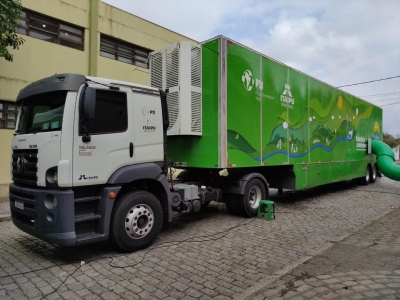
[{"x": 46, "y": 214}]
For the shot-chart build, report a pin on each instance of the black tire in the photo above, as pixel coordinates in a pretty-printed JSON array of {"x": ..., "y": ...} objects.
[
  {"x": 374, "y": 174},
  {"x": 365, "y": 180},
  {"x": 136, "y": 221},
  {"x": 247, "y": 204}
]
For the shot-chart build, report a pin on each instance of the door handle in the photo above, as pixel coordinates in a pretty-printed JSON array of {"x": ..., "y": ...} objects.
[{"x": 131, "y": 149}]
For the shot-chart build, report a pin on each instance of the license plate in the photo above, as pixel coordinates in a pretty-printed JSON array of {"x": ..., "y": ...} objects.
[{"x": 19, "y": 205}]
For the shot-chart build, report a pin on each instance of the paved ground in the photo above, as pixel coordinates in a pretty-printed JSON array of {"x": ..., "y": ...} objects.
[
  {"x": 364, "y": 266},
  {"x": 4, "y": 209},
  {"x": 340, "y": 244}
]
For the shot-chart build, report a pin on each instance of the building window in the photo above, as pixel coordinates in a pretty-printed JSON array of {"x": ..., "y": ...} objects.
[
  {"x": 51, "y": 30},
  {"x": 127, "y": 53},
  {"x": 8, "y": 115}
]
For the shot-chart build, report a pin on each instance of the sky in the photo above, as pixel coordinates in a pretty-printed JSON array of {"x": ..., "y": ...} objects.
[{"x": 340, "y": 42}]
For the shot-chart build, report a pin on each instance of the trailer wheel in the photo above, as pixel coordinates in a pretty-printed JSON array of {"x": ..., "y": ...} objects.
[
  {"x": 136, "y": 221},
  {"x": 365, "y": 180},
  {"x": 247, "y": 204},
  {"x": 374, "y": 174}
]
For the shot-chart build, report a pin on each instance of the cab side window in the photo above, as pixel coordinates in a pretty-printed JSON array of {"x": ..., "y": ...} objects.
[{"x": 111, "y": 113}]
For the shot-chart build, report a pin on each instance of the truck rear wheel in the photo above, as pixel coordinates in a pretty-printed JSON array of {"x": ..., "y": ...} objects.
[
  {"x": 247, "y": 204},
  {"x": 136, "y": 221}
]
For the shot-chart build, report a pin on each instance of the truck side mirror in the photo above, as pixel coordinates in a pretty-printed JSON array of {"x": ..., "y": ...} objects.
[{"x": 89, "y": 104}]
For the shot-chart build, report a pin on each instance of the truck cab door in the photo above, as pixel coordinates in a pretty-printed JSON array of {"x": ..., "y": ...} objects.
[{"x": 111, "y": 138}]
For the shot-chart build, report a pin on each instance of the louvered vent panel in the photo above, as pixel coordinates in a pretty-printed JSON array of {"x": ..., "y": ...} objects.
[
  {"x": 156, "y": 70},
  {"x": 173, "y": 108},
  {"x": 173, "y": 68},
  {"x": 195, "y": 66},
  {"x": 196, "y": 111}
]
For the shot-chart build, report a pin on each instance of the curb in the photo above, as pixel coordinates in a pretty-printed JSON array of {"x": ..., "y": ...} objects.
[{"x": 4, "y": 218}]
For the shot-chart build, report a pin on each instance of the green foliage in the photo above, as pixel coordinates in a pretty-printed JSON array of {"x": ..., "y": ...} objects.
[
  {"x": 10, "y": 11},
  {"x": 392, "y": 141}
]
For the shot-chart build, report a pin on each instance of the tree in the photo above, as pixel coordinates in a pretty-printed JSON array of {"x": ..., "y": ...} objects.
[
  {"x": 10, "y": 11},
  {"x": 392, "y": 141}
]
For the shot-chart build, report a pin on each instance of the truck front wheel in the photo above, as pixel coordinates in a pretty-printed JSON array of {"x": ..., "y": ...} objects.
[
  {"x": 136, "y": 221},
  {"x": 255, "y": 191}
]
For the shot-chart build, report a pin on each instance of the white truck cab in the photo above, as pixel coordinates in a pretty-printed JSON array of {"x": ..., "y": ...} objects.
[{"x": 79, "y": 142}]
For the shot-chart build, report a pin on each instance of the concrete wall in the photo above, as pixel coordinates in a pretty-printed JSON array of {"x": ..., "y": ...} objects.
[
  {"x": 37, "y": 58},
  {"x": 5, "y": 160}
]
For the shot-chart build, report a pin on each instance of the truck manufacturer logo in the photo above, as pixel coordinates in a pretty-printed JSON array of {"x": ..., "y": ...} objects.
[
  {"x": 84, "y": 177},
  {"x": 248, "y": 81},
  {"x": 149, "y": 128},
  {"x": 33, "y": 146},
  {"x": 287, "y": 98},
  {"x": 21, "y": 164}
]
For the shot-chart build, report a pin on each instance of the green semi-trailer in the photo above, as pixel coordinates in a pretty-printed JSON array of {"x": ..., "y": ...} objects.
[{"x": 261, "y": 114}]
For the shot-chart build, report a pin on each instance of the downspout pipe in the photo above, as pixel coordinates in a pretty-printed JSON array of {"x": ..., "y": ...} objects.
[
  {"x": 385, "y": 160},
  {"x": 93, "y": 37}
]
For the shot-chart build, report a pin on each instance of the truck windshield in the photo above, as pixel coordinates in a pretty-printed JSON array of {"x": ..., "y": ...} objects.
[{"x": 42, "y": 112}]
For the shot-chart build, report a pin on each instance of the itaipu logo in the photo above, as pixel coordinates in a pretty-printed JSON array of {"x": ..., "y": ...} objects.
[
  {"x": 287, "y": 98},
  {"x": 248, "y": 81}
]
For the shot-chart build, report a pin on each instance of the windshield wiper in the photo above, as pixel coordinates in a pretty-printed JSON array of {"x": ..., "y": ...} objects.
[{"x": 16, "y": 132}]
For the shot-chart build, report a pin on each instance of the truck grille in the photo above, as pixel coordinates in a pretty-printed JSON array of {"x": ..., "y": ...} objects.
[{"x": 25, "y": 166}]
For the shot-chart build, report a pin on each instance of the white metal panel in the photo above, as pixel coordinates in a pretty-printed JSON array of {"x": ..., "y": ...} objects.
[
  {"x": 67, "y": 138},
  {"x": 181, "y": 78},
  {"x": 223, "y": 106},
  {"x": 148, "y": 128},
  {"x": 156, "y": 62}
]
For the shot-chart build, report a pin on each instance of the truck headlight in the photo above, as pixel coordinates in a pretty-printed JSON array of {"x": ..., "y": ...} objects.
[{"x": 52, "y": 176}]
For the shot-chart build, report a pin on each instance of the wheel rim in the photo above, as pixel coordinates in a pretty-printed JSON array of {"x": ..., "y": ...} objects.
[
  {"x": 139, "y": 221},
  {"x": 255, "y": 196},
  {"x": 367, "y": 174},
  {"x": 374, "y": 173}
]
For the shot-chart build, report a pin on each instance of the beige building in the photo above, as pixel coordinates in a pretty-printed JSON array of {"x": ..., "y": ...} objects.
[{"x": 74, "y": 36}]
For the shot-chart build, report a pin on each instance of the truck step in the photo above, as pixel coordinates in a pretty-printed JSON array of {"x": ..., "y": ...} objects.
[
  {"x": 89, "y": 238},
  {"x": 87, "y": 199},
  {"x": 86, "y": 217}
]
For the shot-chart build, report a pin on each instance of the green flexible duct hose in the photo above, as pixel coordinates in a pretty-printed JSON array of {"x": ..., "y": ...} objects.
[{"x": 385, "y": 160}]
